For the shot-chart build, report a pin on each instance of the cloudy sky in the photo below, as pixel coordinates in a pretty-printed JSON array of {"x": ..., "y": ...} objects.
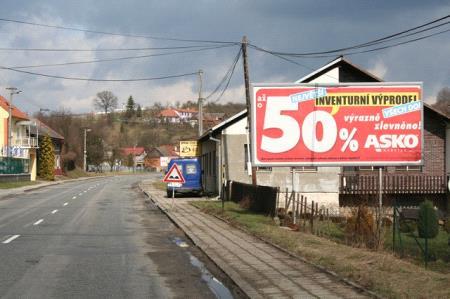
[{"x": 285, "y": 26}]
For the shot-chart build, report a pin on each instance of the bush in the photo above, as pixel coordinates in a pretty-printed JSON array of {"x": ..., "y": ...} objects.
[
  {"x": 407, "y": 226},
  {"x": 428, "y": 225},
  {"x": 360, "y": 227},
  {"x": 447, "y": 225},
  {"x": 46, "y": 159}
]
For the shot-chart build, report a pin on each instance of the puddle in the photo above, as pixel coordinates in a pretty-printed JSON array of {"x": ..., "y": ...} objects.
[
  {"x": 219, "y": 290},
  {"x": 215, "y": 285},
  {"x": 180, "y": 242}
]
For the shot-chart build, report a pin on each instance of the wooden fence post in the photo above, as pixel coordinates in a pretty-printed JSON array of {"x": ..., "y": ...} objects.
[
  {"x": 304, "y": 211},
  {"x": 312, "y": 216}
]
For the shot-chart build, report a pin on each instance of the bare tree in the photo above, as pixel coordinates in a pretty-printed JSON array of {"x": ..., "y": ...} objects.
[
  {"x": 105, "y": 101},
  {"x": 443, "y": 100}
]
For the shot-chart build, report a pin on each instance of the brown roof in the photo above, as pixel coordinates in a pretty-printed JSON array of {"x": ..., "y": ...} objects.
[
  {"x": 135, "y": 151},
  {"x": 44, "y": 129},
  {"x": 15, "y": 111}
]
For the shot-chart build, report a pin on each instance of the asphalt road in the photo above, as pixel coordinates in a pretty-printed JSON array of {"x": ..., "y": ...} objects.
[{"x": 95, "y": 239}]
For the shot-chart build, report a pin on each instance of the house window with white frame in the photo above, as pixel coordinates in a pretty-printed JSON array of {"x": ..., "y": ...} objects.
[{"x": 304, "y": 169}]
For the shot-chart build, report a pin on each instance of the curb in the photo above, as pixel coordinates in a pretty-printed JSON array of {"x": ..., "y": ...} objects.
[
  {"x": 192, "y": 240},
  {"x": 319, "y": 267}
]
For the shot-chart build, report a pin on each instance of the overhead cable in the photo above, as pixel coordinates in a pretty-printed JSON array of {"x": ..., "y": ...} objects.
[
  {"x": 412, "y": 31},
  {"x": 96, "y": 79},
  {"x": 114, "y": 33},
  {"x": 118, "y": 58}
]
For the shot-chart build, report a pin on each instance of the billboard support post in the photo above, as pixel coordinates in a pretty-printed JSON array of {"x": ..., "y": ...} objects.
[{"x": 380, "y": 203}]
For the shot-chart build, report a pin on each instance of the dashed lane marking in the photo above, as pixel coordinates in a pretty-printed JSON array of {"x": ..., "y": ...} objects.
[
  {"x": 74, "y": 197},
  {"x": 65, "y": 204},
  {"x": 54, "y": 211},
  {"x": 38, "y": 222},
  {"x": 10, "y": 239}
]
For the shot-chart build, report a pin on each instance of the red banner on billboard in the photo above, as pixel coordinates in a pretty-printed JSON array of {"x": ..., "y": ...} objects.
[{"x": 344, "y": 124}]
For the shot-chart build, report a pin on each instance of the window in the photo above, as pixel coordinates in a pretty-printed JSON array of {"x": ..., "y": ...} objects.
[
  {"x": 408, "y": 168},
  {"x": 304, "y": 169},
  {"x": 191, "y": 169},
  {"x": 264, "y": 168},
  {"x": 370, "y": 168}
]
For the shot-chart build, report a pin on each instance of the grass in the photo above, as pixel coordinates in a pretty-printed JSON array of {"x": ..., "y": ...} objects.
[
  {"x": 159, "y": 185},
  {"x": 11, "y": 185},
  {"x": 379, "y": 271}
]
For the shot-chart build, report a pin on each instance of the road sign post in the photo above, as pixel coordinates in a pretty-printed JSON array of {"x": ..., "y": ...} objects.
[{"x": 174, "y": 178}]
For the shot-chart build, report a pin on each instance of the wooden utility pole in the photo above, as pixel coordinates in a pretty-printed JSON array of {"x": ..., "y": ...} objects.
[
  {"x": 247, "y": 100},
  {"x": 200, "y": 104}
]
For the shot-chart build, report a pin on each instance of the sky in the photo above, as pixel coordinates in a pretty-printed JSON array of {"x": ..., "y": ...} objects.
[{"x": 285, "y": 26}]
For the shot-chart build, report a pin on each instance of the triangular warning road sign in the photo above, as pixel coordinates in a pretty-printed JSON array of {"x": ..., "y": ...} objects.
[{"x": 174, "y": 175}]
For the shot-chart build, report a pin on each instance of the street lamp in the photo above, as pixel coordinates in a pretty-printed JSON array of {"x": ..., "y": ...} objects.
[
  {"x": 12, "y": 91},
  {"x": 85, "y": 152}
]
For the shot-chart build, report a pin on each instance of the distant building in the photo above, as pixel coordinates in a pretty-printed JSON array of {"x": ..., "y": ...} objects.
[
  {"x": 42, "y": 129},
  {"x": 158, "y": 158},
  {"x": 138, "y": 154},
  {"x": 173, "y": 115}
]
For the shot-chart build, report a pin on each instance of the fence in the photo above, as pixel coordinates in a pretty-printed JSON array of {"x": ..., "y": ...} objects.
[
  {"x": 10, "y": 165},
  {"x": 300, "y": 213},
  {"x": 259, "y": 199}
]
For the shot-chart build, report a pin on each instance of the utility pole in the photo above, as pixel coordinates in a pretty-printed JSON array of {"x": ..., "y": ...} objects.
[
  {"x": 200, "y": 104},
  {"x": 247, "y": 100},
  {"x": 12, "y": 91},
  {"x": 85, "y": 151}
]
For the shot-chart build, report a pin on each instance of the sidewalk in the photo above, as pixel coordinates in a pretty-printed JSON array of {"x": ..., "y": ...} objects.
[{"x": 259, "y": 269}]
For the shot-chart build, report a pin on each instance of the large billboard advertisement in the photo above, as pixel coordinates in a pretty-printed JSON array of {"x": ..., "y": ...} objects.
[{"x": 342, "y": 124}]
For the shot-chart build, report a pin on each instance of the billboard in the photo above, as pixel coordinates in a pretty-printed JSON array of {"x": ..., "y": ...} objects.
[
  {"x": 337, "y": 124},
  {"x": 189, "y": 148}
]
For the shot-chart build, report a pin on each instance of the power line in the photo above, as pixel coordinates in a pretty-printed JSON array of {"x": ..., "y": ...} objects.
[
  {"x": 100, "y": 49},
  {"x": 119, "y": 58},
  {"x": 113, "y": 33},
  {"x": 229, "y": 77},
  {"x": 227, "y": 73},
  {"x": 385, "y": 39},
  {"x": 98, "y": 80}
]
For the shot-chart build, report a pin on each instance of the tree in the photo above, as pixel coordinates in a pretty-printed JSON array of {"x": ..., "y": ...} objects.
[
  {"x": 138, "y": 111},
  {"x": 443, "y": 101},
  {"x": 46, "y": 159},
  {"x": 130, "y": 108},
  {"x": 95, "y": 150},
  {"x": 114, "y": 156},
  {"x": 428, "y": 225},
  {"x": 105, "y": 101}
]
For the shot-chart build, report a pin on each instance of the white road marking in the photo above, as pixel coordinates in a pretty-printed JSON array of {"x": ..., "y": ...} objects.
[
  {"x": 38, "y": 222},
  {"x": 54, "y": 211},
  {"x": 85, "y": 191},
  {"x": 74, "y": 197},
  {"x": 11, "y": 239},
  {"x": 65, "y": 204},
  {"x": 80, "y": 194}
]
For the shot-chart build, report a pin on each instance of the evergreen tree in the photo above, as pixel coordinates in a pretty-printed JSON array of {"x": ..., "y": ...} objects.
[
  {"x": 138, "y": 111},
  {"x": 130, "y": 108},
  {"x": 46, "y": 159}
]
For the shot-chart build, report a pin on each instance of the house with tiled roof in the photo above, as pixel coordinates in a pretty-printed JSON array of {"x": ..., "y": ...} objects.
[
  {"x": 158, "y": 158},
  {"x": 42, "y": 129},
  {"x": 138, "y": 153},
  {"x": 17, "y": 153},
  {"x": 175, "y": 115}
]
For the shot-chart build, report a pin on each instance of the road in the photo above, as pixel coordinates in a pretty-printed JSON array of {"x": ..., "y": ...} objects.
[{"x": 96, "y": 239}]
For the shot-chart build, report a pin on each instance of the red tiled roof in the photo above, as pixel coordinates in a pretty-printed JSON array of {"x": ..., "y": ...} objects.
[
  {"x": 135, "y": 151},
  {"x": 168, "y": 113},
  {"x": 15, "y": 111}
]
